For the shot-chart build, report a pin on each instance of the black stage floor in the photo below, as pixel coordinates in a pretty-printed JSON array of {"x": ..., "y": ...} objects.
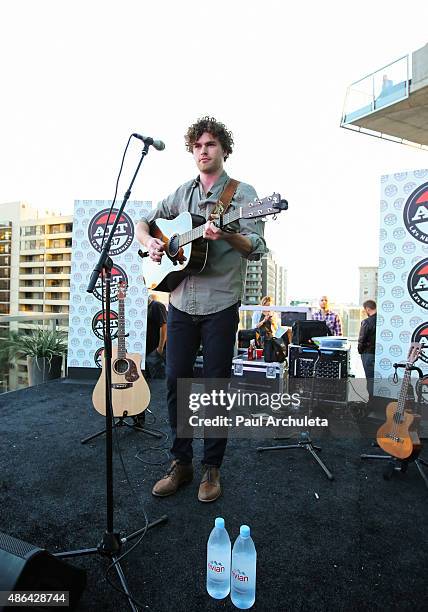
[{"x": 357, "y": 543}]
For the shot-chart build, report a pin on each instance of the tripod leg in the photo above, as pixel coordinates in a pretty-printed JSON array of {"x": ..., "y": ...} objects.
[
  {"x": 421, "y": 471},
  {"x": 279, "y": 447},
  {"x": 364, "y": 456},
  {"x": 99, "y": 433},
  {"x": 76, "y": 553},
  {"x": 134, "y": 535},
  {"x": 320, "y": 463},
  {"x": 144, "y": 430},
  {"x": 124, "y": 584}
]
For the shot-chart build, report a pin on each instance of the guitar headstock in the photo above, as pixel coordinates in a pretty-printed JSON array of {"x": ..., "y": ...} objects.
[
  {"x": 414, "y": 352},
  {"x": 263, "y": 207},
  {"x": 121, "y": 292}
]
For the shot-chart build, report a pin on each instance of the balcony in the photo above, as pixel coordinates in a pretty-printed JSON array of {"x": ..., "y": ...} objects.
[
  {"x": 390, "y": 103},
  {"x": 58, "y": 275},
  {"x": 35, "y": 276},
  {"x": 31, "y": 264},
  {"x": 57, "y": 250}
]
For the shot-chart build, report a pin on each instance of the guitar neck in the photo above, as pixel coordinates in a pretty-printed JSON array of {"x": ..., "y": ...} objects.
[
  {"x": 197, "y": 232},
  {"x": 121, "y": 347},
  {"x": 403, "y": 391}
]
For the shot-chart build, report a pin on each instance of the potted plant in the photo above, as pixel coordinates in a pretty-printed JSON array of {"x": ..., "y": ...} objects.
[{"x": 44, "y": 349}]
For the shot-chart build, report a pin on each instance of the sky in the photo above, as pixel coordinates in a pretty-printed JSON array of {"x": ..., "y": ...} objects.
[{"x": 78, "y": 77}]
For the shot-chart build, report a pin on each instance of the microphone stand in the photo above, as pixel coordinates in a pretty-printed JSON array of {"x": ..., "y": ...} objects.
[
  {"x": 305, "y": 440},
  {"x": 112, "y": 541}
]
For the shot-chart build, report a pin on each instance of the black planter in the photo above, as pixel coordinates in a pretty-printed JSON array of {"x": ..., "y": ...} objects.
[{"x": 40, "y": 369}]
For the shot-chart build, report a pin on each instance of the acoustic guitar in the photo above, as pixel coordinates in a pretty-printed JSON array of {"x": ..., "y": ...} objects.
[
  {"x": 398, "y": 436},
  {"x": 129, "y": 389},
  {"x": 186, "y": 250}
]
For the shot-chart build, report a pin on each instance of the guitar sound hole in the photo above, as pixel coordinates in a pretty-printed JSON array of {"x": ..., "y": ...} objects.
[
  {"x": 121, "y": 366},
  {"x": 398, "y": 418},
  {"x": 173, "y": 246}
]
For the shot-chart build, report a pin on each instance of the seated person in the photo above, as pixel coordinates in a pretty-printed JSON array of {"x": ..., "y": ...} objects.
[{"x": 265, "y": 321}]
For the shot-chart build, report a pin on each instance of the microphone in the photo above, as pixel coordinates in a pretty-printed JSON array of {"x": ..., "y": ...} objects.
[{"x": 157, "y": 144}]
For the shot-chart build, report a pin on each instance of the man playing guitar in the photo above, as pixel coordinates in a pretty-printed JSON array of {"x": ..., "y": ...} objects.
[{"x": 204, "y": 307}]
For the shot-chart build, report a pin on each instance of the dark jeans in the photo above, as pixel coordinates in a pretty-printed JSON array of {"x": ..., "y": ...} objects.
[
  {"x": 368, "y": 360},
  {"x": 217, "y": 333}
]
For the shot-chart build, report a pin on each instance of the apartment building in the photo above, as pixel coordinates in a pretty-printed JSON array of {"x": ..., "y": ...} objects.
[
  {"x": 265, "y": 277},
  {"x": 368, "y": 283},
  {"x": 35, "y": 264}
]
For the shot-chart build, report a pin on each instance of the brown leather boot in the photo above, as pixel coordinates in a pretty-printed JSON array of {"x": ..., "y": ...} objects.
[
  {"x": 177, "y": 475},
  {"x": 210, "y": 489}
]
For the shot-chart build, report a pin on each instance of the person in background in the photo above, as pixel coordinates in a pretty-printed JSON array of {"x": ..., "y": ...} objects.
[
  {"x": 265, "y": 321},
  {"x": 367, "y": 343},
  {"x": 155, "y": 337},
  {"x": 387, "y": 84},
  {"x": 331, "y": 318}
]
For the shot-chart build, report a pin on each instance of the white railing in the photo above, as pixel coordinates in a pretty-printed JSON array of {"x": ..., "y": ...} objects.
[{"x": 386, "y": 86}]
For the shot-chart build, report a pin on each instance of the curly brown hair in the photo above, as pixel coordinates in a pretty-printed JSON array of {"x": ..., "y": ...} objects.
[{"x": 213, "y": 127}]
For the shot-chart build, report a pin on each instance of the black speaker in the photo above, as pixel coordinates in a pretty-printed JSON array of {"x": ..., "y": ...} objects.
[
  {"x": 304, "y": 331},
  {"x": 24, "y": 567}
]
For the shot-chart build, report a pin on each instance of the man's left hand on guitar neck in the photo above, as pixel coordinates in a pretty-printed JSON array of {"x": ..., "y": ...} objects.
[{"x": 239, "y": 242}]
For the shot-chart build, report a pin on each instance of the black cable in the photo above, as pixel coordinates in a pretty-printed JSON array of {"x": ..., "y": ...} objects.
[{"x": 356, "y": 392}]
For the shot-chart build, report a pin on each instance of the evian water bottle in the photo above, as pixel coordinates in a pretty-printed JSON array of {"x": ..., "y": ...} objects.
[
  {"x": 218, "y": 561},
  {"x": 243, "y": 575}
]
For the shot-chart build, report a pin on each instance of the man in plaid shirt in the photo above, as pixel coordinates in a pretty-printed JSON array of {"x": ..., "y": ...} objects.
[{"x": 331, "y": 318}]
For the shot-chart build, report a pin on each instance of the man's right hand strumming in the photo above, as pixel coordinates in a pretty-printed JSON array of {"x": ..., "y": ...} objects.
[{"x": 155, "y": 248}]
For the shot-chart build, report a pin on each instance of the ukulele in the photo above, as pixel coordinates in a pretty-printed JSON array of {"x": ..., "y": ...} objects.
[
  {"x": 397, "y": 436},
  {"x": 129, "y": 390},
  {"x": 185, "y": 250}
]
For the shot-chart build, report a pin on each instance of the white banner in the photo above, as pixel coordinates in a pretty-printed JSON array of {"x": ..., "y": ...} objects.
[
  {"x": 85, "y": 339},
  {"x": 402, "y": 302}
]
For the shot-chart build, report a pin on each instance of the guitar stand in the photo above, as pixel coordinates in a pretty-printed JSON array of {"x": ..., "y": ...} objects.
[
  {"x": 122, "y": 422},
  {"x": 399, "y": 465},
  {"x": 306, "y": 443}
]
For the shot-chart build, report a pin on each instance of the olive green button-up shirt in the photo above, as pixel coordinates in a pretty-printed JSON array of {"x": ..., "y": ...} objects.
[{"x": 221, "y": 282}]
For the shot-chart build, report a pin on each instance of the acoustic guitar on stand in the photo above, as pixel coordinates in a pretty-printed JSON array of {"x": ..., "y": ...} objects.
[
  {"x": 129, "y": 389},
  {"x": 398, "y": 436},
  {"x": 186, "y": 250}
]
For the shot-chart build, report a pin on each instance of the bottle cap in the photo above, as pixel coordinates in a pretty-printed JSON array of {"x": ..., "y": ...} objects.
[
  {"x": 245, "y": 531},
  {"x": 219, "y": 522}
]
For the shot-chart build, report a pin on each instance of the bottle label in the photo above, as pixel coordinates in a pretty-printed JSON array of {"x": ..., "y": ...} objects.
[
  {"x": 240, "y": 577},
  {"x": 216, "y": 567}
]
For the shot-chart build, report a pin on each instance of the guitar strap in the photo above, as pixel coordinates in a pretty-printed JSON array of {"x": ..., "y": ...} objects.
[{"x": 226, "y": 197}]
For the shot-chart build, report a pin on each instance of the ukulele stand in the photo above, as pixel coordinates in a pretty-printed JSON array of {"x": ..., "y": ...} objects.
[
  {"x": 305, "y": 441},
  {"x": 122, "y": 422},
  {"x": 401, "y": 465}
]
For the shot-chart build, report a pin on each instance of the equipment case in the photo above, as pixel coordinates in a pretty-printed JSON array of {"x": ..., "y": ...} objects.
[{"x": 257, "y": 375}]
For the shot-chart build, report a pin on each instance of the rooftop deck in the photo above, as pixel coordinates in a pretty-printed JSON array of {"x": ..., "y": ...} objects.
[{"x": 356, "y": 543}]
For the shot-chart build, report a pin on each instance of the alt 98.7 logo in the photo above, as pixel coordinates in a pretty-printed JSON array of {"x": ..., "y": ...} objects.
[
  {"x": 417, "y": 283},
  {"x": 123, "y": 235},
  {"x": 118, "y": 275},
  {"x": 415, "y": 214},
  {"x": 98, "y": 357},
  {"x": 98, "y": 324}
]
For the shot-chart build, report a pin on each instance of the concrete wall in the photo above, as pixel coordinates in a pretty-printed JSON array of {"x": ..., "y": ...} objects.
[{"x": 420, "y": 68}]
